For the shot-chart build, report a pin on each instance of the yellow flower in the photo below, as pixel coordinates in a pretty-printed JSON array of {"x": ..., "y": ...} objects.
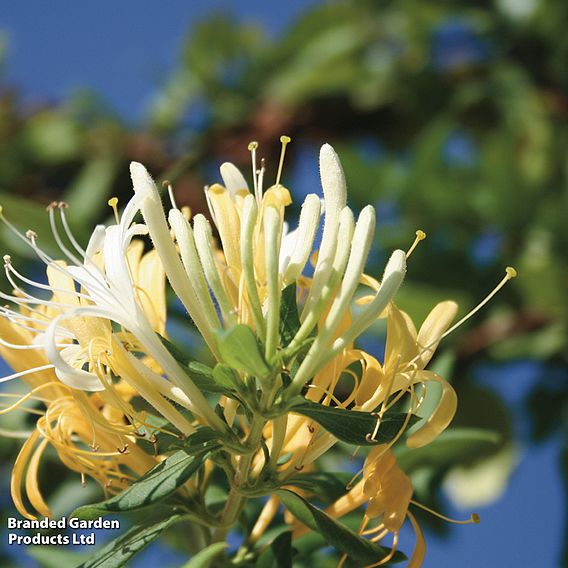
[
  {"x": 93, "y": 434},
  {"x": 386, "y": 491}
]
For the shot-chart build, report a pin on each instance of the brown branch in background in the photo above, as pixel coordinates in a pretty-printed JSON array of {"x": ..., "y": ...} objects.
[{"x": 499, "y": 329}]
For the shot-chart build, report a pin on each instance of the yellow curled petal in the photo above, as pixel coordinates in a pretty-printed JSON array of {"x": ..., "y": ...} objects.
[
  {"x": 32, "y": 487},
  {"x": 434, "y": 326},
  {"x": 18, "y": 475},
  {"x": 439, "y": 420},
  {"x": 401, "y": 338},
  {"x": 420, "y": 548}
]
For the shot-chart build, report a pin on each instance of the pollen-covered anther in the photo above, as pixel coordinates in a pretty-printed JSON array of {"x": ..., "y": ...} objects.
[
  {"x": 113, "y": 203},
  {"x": 420, "y": 236},
  {"x": 31, "y": 235},
  {"x": 511, "y": 272},
  {"x": 7, "y": 260},
  {"x": 475, "y": 519}
]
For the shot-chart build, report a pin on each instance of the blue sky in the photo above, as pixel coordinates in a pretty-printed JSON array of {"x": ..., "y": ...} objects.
[{"x": 122, "y": 50}]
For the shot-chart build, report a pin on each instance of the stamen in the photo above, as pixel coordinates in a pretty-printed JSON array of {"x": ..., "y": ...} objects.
[
  {"x": 252, "y": 149},
  {"x": 167, "y": 184},
  {"x": 474, "y": 518},
  {"x": 285, "y": 140},
  {"x": 510, "y": 273},
  {"x": 11, "y": 268},
  {"x": 26, "y": 372},
  {"x": 260, "y": 182},
  {"x": 51, "y": 210},
  {"x": 113, "y": 202},
  {"x": 72, "y": 239},
  {"x": 420, "y": 236}
]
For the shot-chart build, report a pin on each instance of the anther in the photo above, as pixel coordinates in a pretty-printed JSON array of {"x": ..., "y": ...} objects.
[
  {"x": 113, "y": 202},
  {"x": 123, "y": 450},
  {"x": 51, "y": 206},
  {"x": 63, "y": 205},
  {"x": 511, "y": 272},
  {"x": 252, "y": 147},
  {"x": 31, "y": 235},
  {"x": 474, "y": 516},
  {"x": 7, "y": 259},
  {"x": 420, "y": 236}
]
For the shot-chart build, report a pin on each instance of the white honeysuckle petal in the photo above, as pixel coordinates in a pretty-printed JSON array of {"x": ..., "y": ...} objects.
[
  {"x": 287, "y": 245},
  {"x": 116, "y": 267},
  {"x": 335, "y": 197},
  {"x": 233, "y": 179},
  {"x": 392, "y": 279},
  {"x": 345, "y": 236},
  {"x": 203, "y": 237},
  {"x": 97, "y": 290},
  {"x": 152, "y": 210},
  {"x": 361, "y": 244},
  {"x": 299, "y": 243},
  {"x": 190, "y": 258},
  {"x": 96, "y": 242},
  {"x": 359, "y": 250}
]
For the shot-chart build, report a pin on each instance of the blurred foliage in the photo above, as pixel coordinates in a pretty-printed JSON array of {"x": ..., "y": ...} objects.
[{"x": 450, "y": 117}]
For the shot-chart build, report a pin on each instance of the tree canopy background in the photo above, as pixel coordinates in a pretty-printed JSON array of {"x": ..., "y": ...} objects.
[{"x": 449, "y": 117}]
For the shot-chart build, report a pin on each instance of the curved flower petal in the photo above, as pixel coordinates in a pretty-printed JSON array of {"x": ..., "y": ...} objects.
[{"x": 440, "y": 419}]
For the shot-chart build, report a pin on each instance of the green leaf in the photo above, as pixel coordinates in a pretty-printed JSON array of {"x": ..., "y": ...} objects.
[
  {"x": 202, "y": 440},
  {"x": 240, "y": 350},
  {"x": 205, "y": 557},
  {"x": 452, "y": 447},
  {"x": 353, "y": 426},
  {"x": 119, "y": 551},
  {"x": 54, "y": 557},
  {"x": 336, "y": 534},
  {"x": 278, "y": 554},
  {"x": 289, "y": 317},
  {"x": 152, "y": 488},
  {"x": 330, "y": 486},
  {"x": 226, "y": 377},
  {"x": 200, "y": 374}
]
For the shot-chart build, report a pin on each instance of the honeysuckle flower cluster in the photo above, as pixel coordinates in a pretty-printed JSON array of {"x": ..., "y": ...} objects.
[{"x": 280, "y": 320}]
